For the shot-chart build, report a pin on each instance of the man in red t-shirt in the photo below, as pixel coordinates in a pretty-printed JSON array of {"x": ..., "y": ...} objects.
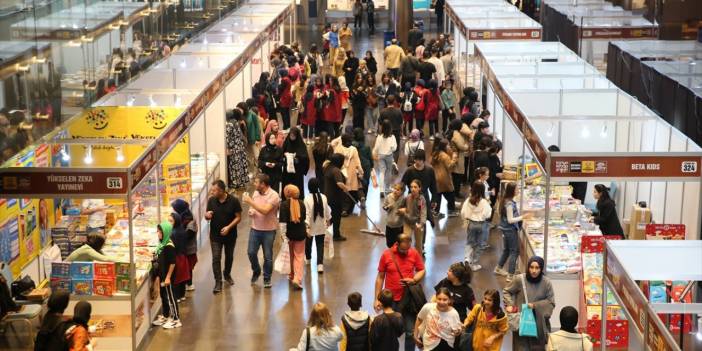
[{"x": 411, "y": 265}]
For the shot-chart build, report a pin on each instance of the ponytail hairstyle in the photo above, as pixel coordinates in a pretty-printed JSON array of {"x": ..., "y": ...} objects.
[
  {"x": 318, "y": 207},
  {"x": 603, "y": 190},
  {"x": 477, "y": 191},
  {"x": 508, "y": 194}
]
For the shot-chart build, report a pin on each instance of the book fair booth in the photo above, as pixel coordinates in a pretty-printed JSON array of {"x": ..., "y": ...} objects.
[
  {"x": 631, "y": 277},
  {"x": 586, "y": 27},
  {"x": 664, "y": 75},
  {"x": 552, "y": 97},
  {"x": 136, "y": 150},
  {"x": 474, "y": 21}
]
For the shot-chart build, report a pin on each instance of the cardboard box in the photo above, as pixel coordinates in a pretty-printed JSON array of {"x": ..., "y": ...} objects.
[
  {"x": 57, "y": 284},
  {"x": 122, "y": 269},
  {"x": 637, "y": 223},
  {"x": 39, "y": 294},
  {"x": 60, "y": 269},
  {"x": 82, "y": 286},
  {"x": 122, "y": 284},
  {"x": 104, "y": 270},
  {"x": 104, "y": 287},
  {"x": 81, "y": 270}
]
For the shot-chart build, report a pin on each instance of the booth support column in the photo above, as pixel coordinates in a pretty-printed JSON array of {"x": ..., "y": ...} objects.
[
  {"x": 132, "y": 266},
  {"x": 403, "y": 20}
]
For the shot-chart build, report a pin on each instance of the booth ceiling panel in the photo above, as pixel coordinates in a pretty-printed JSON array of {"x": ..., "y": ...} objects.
[{"x": 674, "y": 259}]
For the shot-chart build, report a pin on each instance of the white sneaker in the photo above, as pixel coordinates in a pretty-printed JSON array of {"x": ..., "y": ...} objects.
[
  {"x": 190, "y": 288},
  {"x": 431, "y": 138},
  {"x": 320, "y": 268},
  {"x": 509, "y": 278},
  {"x": 476, "y": 267},
  {"x": 500, "y": 271},
  {"x": 172, "y": 324},
  {"x": 160, "y": 320}
]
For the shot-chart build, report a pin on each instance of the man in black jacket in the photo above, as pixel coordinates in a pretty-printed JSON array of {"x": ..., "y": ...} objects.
[
  {"x": 415, "y": 36},
  {"x": 393, "y": 114}
]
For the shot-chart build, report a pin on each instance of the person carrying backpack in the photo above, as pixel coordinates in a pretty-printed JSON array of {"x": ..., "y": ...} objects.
[
  {"x": 355, "y": 325},
  {"x": 76, "y": 337},
  {"x": 407, "y": 107},
  {"x": 422, "y": 100}
]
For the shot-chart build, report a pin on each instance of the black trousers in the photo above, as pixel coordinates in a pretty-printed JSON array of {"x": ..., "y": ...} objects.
[
  {"x": 319, "y": 243},
  {"x": 336, "y": 217},
  {"x": 285, "y": 113},
  {"x": 358, "y": 117},
  {"x": 443, "y": 346},
  {"x": 169, "y": 304},
  {"x": 371, "y": 23},
  {"x": 217, "y": 247},
  {"x": 457, "y": 183},
  {"x": 357, "y": 21},
  {"x": 433, "y": 127}
]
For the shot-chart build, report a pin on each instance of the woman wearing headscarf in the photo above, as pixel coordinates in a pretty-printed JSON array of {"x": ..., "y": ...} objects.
[
  {"x": 166, "y": 258},
  {"x": 270, "y": 161},
  {"x": 182, "y": 208},
  {"x": 179, "y": 236},
  {"x": 359, "y": 101},
  {"x": 413, "y": 145},
  {"x": 77, "y": 335},
  {"x": 318, "y": 219},
  {"x": 58, "y": 301},
  {"x": 459, "y": 134},
  {"x": 272, "y": 127},
  {"x": 539, "y": 293},
  {"x": 296, "y": 161},
  {"x": 261, "y": 92},
  {"x": 568, "y": 337},
  {"x": 433, "y": 106},
  {"x": 308, "y": 114},
  {"x": 351, "y": 66},
  {"x": 292, "y": 220},
  {"x": 237, "y": 166}
]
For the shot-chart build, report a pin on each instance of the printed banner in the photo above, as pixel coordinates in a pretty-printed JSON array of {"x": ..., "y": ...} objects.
[{"x": 627, "y": 166}]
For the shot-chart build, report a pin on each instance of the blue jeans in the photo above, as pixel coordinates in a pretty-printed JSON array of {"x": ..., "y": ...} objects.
[
  {"x": 473, "y": 248},
  {"x": 372, "y": 118},
  {"x": 259, "y": 238},
  {"x": 510, "y": 241},
  {"x": 408, "y": 321},
  {"x": 385, "y": 167},
  {"x": 486, "y": 235}
]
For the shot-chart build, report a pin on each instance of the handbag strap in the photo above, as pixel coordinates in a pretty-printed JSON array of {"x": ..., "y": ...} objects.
[
  {"x": 397, "y": 266},
  {"x": 524, "y": 289},
  {"x": 307, "y": 331}
]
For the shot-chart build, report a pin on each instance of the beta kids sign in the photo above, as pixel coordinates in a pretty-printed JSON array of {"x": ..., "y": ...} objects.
[{"x": 626, "y": 167}]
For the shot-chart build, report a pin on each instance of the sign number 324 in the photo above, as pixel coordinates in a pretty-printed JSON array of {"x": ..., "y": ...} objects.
[{"x": 689, "y": 167}]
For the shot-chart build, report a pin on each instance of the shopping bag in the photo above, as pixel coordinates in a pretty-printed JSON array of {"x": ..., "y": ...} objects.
[
  {"x": 527, "y": 322},
  {"x": 282, "y": 261},
  {"x": 329, "y": 244}
]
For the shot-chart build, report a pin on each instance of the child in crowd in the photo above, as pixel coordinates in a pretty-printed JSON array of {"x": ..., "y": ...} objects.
[
  {"x": 387, "y": 327},
  {"x": 413, "y": 209},
  {"x": 393, "y": 224},
  {"x": 355, "y": 325},
  {"x": 482, "y": 174},
  {"x": 166, "y": 257}
]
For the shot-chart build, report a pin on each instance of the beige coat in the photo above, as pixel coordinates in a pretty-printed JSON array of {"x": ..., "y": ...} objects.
[
  {"x": 393, "y": 55},
  {"x": 443, "y": 163},
  {"x": 345, "y": 35},
  {"x": 462, "y": 141},
  {"x": 352, "y": 166}
]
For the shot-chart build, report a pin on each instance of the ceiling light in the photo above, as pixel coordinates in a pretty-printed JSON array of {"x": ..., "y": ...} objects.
[
  {"x": 64, "y": 155},
  {"x": 152, "y": 103},
  {"x": 603, "y": 132},
  {"x": 120, "y": 154},
  {"x": 177, "y": 101},
  {"x": 585, "y": 133},
  {"x": 89, "y": 156},
  {"x": 130, "y": 100},
  {"x": 549, "y": 133}
]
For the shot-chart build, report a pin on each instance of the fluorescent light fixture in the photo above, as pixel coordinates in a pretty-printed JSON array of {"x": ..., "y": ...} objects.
[
  {"x": 205, "y": 41},
  {"x": 64, "y": 155},
  {"x": 120, "y": 154},
  {"x": 130, "y": 100},
  {"x": 549, "y": 133},
  {"x": 182, "y": 63},
  {"x": 585, "y": 133},
  {"x": 603, "y": 132},
  {"x": 177, "y": 101},
  {"x": 88, "y": 160},
  {"x": 152, "y": 103}
]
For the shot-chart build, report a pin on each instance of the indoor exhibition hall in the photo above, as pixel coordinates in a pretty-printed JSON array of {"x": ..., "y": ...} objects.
[{"x": 351, "y": 175}]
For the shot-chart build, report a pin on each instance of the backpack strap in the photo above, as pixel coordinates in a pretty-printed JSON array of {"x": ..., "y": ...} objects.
[{"x": 307, "y": 332}]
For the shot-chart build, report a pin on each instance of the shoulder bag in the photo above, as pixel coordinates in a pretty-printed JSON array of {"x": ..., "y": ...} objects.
[
  {"x": 307, "y": 332},
  {"x": 465, "y": 343},
  {"x": 413, "y": 298}
]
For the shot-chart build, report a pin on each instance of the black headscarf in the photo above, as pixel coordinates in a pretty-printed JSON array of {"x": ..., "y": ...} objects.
[
  {"x": 540, "y": 262},
  {"x": 179, "y": 235},
  {"x": 81, "y": 313},
  {"x": 58, "y": 301},
  {"x": 318, "y": 210}
]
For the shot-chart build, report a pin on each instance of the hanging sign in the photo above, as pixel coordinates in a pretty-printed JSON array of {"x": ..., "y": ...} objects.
[
  {"x": 68, "y": 183},
  {"x": 626, "y": 166}
]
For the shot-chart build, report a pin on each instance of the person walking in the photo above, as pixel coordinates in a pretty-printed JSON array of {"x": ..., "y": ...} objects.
[
  {"x": 357, "y": 11},
  {"x": 345, "y": 35},
  {"x": 253, "y": 128},
  {"x": 448, "y": 104},
  {"x": 413, "y": 210},
  {"x": 237, "y": 165},
  {"x": 224, "y": 214},
  {"x": 476, "y": 210},
  {"x": 296, "y": 160},
  {"x": 351, "y": 67},
  {"x": 440, "y": 324},
  {"x": 444, "y": 160},
  {"x": 285, "y": 97},
  {"x": 387, "y": 327},
  {"x": 394, "y": 222},
  {"x": 263, "y": 211},
  {"x": 539, "y": 296},
  {"x": 320, "y": 334},
  {"x": 490, "y": 323},
  {"x": 318, "y": 218},
  {"x": 439, "y": 11},
  {"x": 433, "y": 107},
  {"x": 166, "y": 258},
  {"x": 365, "y": 156},
  {"x": 270, "y": 161},
  {"x": 400, "y": 266},
  {"x": 408, "y": 101},
  {"x": 273, "y": 128},
  {"x": 438, "y": 66},
  {"x": 383, "y": 150},
  {"x": 372, "y": 105},
  {"x": 457, "y": 282},
  {"x": 427, "y": 177},
  {"x": 449, "y": 64},
  {"x": 408, "y": 68},
  {"x": 392, "y": 114},
  {"x": 371, "y": 63},
  {"x": 179, "y": 236},
  {"x": 568, "y": 338},
  {"x": 393, "y": 55},
  {"x": 414, "y": 36},
  {"x": 355, "y": 325},
  {"x": 292, "y": 221},
  {"x": 370, "y": 10},
  {"x": 510, "y": 223},
  {"x": 321, "y": 152},
  {"x": 414, "y": 144},
  {"x": 359, "y": 101},
  {"x": 336, "y": 191},
  {"x": 333, "y": 37},
  {"x": 422, "y": 95},
  {"x": 459, "y": 135},
  {"x": 182, "y": 208}
]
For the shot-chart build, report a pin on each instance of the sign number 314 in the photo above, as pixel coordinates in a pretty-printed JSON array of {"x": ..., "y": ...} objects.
[{"x": 689, "y": 167}]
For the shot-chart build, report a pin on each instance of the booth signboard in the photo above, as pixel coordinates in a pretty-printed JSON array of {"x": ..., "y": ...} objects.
[
  {"x": 505, "y": 34},
  {"x": 658, "y": 166},
  {"x": 63, "y": 181},
  {"x": 631, "y": 296},
  {"x": 665, "y": 232},
  {"x": 620, "y": 33}
]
